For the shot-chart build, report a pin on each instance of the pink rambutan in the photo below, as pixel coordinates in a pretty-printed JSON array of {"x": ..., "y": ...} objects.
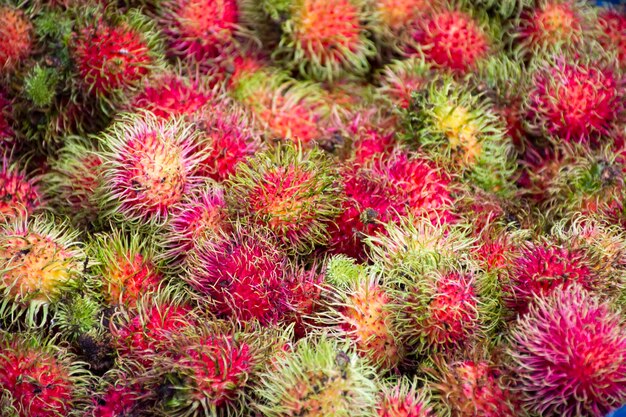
[
  {"x": 112, "y": 57},
  {"x": 541, "y": 269},
  {"x": 199, "y": 29},
  {"x": 244, "y": 273},
  {"x": 292, "y": 192},
  {"x": 227, "y": 138},
  {"x": 200, "y": 216},
  {"x": 170, "y": 95},
  {"x": 473, "y": 389},
  {"x": 575, "y": 102},
  {"x": 402, "y": 400},
  {"x": 613, "y": 33},
  {"x": 452, "y": 40},
  {"x": 569, "y": 355},
  {"x": 371, "y": 144},
  {"x": 148, "y": 166},
  {"x": 16, "y": 37},
  {"x": 18, "y": 193},
  {"x": 40, "y": 380}
]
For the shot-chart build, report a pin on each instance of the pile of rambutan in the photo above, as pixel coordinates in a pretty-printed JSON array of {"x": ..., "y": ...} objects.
[{"x": 312, "y": 208}]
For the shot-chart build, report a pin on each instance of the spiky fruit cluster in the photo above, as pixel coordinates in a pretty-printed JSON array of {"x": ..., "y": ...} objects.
[
  {"x": 463, "y": 131},
  {"x": 452, "y": 40},
  {"x": 474, "y": 388},
  {"x": 319, "y": 377},
  {"x": 568, "y": 353},
  {"x": 124, "y": 266},
  {"x": 148, "y": 166},
  {"x": 113, "y": 57},
  {"x": 198, "y": 30},
  {"x": 37, "y": 379},
  {"x": 290, "y": 191},
  {"x": 362, "y": 311},
  {"x": 19, "y": 195},
  {"x": 39, "y": 259},
  {"x": 170, "y": 95},
  {"x": 16, "y": 37},
  {"x": 438, "y": 311},
  {"x": 613, "y": 36},
  {"x": 575, "y": 102},
  {"x": 401, "y": 78},
  {"x": 325, "y": 51},
  {"x": 402, "y": 400},
  {"x": 543, "y": 269}
]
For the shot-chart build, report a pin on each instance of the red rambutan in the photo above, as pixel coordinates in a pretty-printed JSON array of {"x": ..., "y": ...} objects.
[
  {"x": 613, "y": 35},
  {"x": 117, "y": 401},
  {"x": 569, "y": 355},
  {"x": 16, "y": 37},
  {"x": 397, "y": 16},
  {"x": 371, "y": 144},
  {"x": 19, "y": 195},
  {"x": 575, "y": 102},
  {"x": 199, "y": 29},
  {"x": 402, "y": 400},
  {"x": 148, "y": 166},
  {"x": 452, "y": 40}
]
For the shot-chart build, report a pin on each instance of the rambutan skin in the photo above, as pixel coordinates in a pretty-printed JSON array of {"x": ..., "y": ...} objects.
[
  {"x": 19, "y": 195},
  {"x": 613, "y": 36},
  {"x": 569, "y": 355},
  {"x": 116, "y": 402},
  {"x": 402, "y": 400},
  {"x": 16, "y": 37},
  {"x": 575, "y": 103}
]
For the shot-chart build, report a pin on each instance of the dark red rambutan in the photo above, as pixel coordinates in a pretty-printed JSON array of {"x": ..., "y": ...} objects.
[
  {"x": 244, "y": 273},
  {"x": 227, "y": 138},
  {"x": 473, "y": 389},
  {"x": 402, "y": 400},
  {"x": 40, "y": 380},
  {"x": 613, "y": 33},
  {"x": 452, "y": 40},
  {"x": 170, "y": 95},
  {"x": 569, "y": 355},
  {"x": 543, "y": 268},
  {"x": 575, "y": 102},
  {"x": 112, "y": 57},
  {"x": 7, "y": 134},
  {"x": 16, "y": 37},
  {"x": 199, "y": 29},
  {"x": 18, "y": 193}
]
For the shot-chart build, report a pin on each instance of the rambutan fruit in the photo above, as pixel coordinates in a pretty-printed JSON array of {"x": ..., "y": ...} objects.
[
  {"x": 19, "y": 195},
  {"x": 569, "y": 355},
  {"x": 402, "y": 399},
  {"x": 199, "y": 216},
  {"x": 575, "y": 102},
  {"x": 400, "y": 79},
  {"x": 613, "y": 33},
  {"x": 113, "y": 55},
  {"x": 118, "y": 400},
  {"x": 329, "y": 50},
  {"x": 71, "y": 183},
  {"x": 39, "y": 260},
  {"x": 437, "y": 311},
  {"x": 554, "y": 25},
  {"x": 124, "y": 266},
  {"x": 78, "y": 314},
  {"x": 319, "y": 377},
  {"x": 139, "y": 333},
  {"x": 543, "y": 268},
  {"x": 199, "y": 30},
  {"x": 149, "y": 164},
  {"x": 394, "y": 18},
  {"x": 227, "y": 137},
  {"x": 171, "y": 95},
  {"x": 16, "y": 38},
  {"x": 462, "y": 130},
  {"x": 38, "y": 379},
  {"x": 360, "y": 311},
  {"x": 342, "y": 271},
  {"x": 452, "y": 40},
  {"x": 292, "y": 192},
  {"x": 7, "y": 134},
  {"x": 370, "y": 144},
  {"x": 244, "y": 272},
  {"x": 473, "y": 388},
  {"x": 505, "y": 9}
]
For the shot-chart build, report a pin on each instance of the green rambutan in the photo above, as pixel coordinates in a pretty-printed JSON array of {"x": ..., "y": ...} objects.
[
  {"x": 402, "y": 399},
  {"x": 292, "y": 192},
  {"x": 39, "y": 260},
  {"x": 16, "y": 38},
  {"x": 77, "y": 315},
  {"x": 319, "y": 377},
  {"x": 124, "y": 266},
  {"x": 38, "y": 379},
  {"x": 325, "y": 39},
  {"x": 568, "y": 355},
  {"x": 149, "y": 164},
  {"x": 462, "y": 130}
]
